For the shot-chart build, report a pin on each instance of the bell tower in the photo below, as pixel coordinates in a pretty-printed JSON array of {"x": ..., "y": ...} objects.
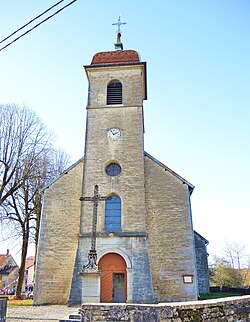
[
  {"x": 114, "y": 160},
  {"x": 114, "y": 150}
]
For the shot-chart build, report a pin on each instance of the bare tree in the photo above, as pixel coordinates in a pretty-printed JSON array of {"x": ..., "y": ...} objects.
[
  {"x": 21, "y": 133},
  {"x": 18, "y": 212},
  {"x": 22, "y": 209},
  {"x": 235, "y": 252},
  {"x": 51, "y": 166},
  {"x": 27, "y": 164}
]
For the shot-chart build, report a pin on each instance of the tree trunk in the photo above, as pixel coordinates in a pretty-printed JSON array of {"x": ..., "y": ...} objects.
[{"x": 21, "y": 271}]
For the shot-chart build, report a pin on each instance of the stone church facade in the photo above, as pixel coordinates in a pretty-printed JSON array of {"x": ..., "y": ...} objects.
[{"x": 144, "y": 235}]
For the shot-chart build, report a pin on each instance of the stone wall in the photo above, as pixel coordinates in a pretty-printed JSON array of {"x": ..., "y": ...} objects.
[
  {"x": 219, "y": 310},
  {"x": 201, "y": 263},
  {"x": 58, "y": 237},
  {"x": 127, "y": 151},
  {"x": 170, "y": 234},
  {"x": 133, "y": 248}
]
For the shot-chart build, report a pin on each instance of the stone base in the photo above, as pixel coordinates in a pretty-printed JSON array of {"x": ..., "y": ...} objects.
[{"x": 91, "y": 286}]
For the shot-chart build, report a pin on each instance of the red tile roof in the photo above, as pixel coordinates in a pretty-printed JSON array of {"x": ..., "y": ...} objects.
[
  {"x": 115, "y": 57},
  {"x": 29, "y": 262},
  {"x": 3, "y": 258}
]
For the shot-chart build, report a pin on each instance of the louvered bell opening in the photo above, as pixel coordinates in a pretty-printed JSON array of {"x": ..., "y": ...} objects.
[{"x": 114, "y": 93}]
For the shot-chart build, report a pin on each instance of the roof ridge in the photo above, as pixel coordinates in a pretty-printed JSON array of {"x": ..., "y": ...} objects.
[
  {"x": 191, "y": 187},
  {"x": 61, "y": 174}
]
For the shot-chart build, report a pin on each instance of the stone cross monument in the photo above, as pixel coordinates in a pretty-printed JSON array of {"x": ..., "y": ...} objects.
[{"x": 90, "y": 272}]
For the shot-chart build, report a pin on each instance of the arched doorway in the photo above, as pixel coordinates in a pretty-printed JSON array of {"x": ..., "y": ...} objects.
[{"x": 113, "y": 279}]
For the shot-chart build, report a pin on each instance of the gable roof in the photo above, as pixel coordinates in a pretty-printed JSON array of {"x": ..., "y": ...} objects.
[
  {"x": 190, "y": 186},
  {"x": 63, "y": 173},
  {"x": 7, "y": 263},
  {"x": 203, "y": 238}
]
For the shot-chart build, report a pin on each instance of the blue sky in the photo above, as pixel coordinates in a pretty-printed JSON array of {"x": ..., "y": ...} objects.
[{"x": 198, "y": 75}]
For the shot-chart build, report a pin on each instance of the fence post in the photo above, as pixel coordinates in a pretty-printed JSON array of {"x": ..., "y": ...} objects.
[{"x": 3, "y": 309}]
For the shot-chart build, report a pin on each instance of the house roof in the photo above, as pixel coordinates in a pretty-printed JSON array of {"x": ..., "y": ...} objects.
[
  {"x": 30, "y": 261},
  {"x": 7, "y": 263},
  {"x": 190, "y": 186},
  {"x": 3, "y": 258}
]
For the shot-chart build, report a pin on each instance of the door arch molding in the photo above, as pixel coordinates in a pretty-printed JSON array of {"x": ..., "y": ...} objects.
[{"x": 116, "y": 251}]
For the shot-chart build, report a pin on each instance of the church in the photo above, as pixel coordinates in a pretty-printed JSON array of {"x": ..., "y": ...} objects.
[{"x": 117, "y": 225}]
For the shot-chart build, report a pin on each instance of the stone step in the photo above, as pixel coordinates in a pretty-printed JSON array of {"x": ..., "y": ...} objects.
[
  {"x": 72, "y": 318},
  {"x": 75, "y": 316}
]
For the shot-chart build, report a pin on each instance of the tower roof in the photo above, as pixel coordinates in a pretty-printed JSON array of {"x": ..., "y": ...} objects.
[
  {"x": 118, "y": 56},
  {"x": 115, "y": 57}
]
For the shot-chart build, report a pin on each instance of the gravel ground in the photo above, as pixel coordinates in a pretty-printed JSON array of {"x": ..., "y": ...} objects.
[{"x": 39, "y": 313}]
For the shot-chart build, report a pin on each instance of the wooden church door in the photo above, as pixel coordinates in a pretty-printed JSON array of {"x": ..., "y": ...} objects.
[{"x": 113, "y": 279}]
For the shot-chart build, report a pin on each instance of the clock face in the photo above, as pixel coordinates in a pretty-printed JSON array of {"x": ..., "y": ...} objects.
[{"x": 114, "y": 134}]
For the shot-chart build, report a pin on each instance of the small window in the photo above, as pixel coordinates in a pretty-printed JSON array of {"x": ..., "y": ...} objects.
[
  {"x": 113, "y": 169},
  {"x": 114, "y": 93},
  {"x": 113, "y": 213}
]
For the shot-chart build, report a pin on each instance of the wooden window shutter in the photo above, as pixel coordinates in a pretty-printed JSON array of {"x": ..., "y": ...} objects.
[{"x": 114, "y": 93}]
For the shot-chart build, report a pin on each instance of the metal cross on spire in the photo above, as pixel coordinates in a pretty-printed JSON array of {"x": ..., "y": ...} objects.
[
  {"x": 92, "y": 256},
  {"x": 119, "y": 23},
  {"x": 118, "y": 45}
]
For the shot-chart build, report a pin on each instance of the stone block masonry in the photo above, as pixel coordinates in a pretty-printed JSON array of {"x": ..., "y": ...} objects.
[
  {"x": 170, "y": 234},
  {"x": 58, "y": 237},
  {"x": 219, "y": 310}
]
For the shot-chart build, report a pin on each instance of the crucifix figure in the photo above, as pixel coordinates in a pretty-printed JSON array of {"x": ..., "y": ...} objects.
[
  {"x": 118, "y": 32},
  {"x": 92, "y": 256}
]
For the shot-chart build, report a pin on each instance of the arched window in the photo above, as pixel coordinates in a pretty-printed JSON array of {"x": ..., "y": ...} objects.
[
  {"x": 114, "y": 93},
  {"x": 113, "y": 213}
]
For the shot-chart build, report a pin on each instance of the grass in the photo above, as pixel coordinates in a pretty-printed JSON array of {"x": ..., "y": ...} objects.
[
  {"x": 20, "y": 302},
  {"x": 217, "y": 295}
]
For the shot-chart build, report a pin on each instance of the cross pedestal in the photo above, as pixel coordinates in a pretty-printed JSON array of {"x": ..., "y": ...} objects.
[
  {"x": 91, "y": 280},
  {"x": 91, "y": 285}
]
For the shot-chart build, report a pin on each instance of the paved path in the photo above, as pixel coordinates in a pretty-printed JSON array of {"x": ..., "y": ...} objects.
[{"x": 39, "y": 313}]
